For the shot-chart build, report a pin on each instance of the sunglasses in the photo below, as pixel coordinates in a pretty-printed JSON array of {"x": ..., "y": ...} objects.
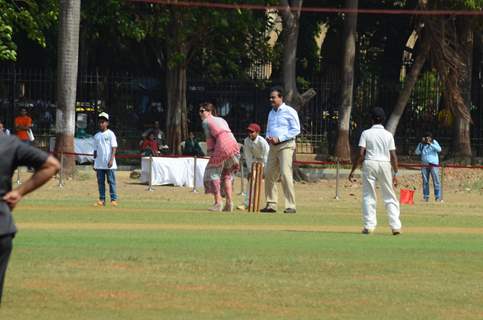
[{"x": 250, "y": 131}]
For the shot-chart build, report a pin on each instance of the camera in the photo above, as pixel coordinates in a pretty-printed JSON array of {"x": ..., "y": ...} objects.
[{"x": 426, "y": 140}]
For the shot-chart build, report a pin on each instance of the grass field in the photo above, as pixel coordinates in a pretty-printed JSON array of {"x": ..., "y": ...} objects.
[{"x": 161, "y": 255}]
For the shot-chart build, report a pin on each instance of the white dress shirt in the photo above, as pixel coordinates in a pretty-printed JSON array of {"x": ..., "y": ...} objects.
[{"x": 283, "y": 123}]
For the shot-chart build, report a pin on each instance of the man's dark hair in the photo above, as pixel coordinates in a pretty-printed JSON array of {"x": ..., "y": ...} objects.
[
  {"x": 277, "y": 89},
  {"x": 378, "y": 115},
  {"x": 428, "y": 134}
]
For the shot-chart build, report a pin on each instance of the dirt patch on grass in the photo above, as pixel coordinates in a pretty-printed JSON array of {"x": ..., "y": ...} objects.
[
  {"x": 214, "y": 227},
  {"x": 457, "y": 184}
]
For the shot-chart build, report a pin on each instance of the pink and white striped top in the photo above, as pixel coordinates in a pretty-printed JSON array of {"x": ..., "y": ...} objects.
[{"x": 220, "y": 141}]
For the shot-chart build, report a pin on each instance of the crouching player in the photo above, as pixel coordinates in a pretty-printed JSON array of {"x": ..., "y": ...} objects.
[{"x": 255, "y": 149}]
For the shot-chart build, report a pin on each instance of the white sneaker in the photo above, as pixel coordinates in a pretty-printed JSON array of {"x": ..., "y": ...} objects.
[
  {"x": 216, "y": 207},
  {"x": 367, "y": 231}
]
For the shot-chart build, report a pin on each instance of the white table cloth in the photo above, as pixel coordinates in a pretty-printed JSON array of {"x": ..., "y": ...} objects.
[
  {"x": 85, "y": 146},
  {"x": 175, "y": 171}
]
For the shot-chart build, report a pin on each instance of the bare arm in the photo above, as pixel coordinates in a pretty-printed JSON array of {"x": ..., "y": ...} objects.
[
  {"x": 357, "y": 162},
  {"x": 113, "y": 156},
  {"x": 395, "y": 167},
  {"x": 40, "y": 177}
]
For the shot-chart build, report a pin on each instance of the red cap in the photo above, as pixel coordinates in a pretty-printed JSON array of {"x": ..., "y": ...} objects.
[{"x": 254, "y": 127}]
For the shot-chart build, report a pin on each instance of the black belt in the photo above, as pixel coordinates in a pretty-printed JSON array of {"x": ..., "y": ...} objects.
[{"x": 276, "y": 144}]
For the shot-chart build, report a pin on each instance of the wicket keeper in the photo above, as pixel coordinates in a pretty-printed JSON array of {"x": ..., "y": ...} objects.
[{"x": 255, "y": 149}]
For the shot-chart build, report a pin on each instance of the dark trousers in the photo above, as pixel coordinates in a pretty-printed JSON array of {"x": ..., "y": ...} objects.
[{"x": 5, "y": 250}]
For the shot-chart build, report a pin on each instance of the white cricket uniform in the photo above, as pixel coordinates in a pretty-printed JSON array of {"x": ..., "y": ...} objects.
[
  {"x": 103, "y": 144},
  {"x": 255, "y": 151},
  {"x": 377, "y": 168}
]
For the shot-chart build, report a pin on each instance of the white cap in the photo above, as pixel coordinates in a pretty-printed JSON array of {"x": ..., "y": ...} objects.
[{"x": 103, "y": 115}]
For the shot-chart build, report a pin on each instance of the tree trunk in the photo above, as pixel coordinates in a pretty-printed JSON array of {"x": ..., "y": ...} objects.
[
  {"x": 291, "y": 33},
  {"x": 343, "y": 151},
  {"x": 177, "y": 51},
  {"x": 462, "y": 138},
  {"x": 68, "y": 55},
  {"x": 462, "y": 141},
  {"x": 176, "y": 118},
  {"x": 409, "y": 84},
  {"x": 290, "y": 20},
  {"x": 291, "y": 26}
]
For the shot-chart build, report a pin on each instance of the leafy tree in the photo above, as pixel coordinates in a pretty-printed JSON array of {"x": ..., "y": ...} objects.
[
  {"x": 236, "y": 35},
  {"x": 184, "y": 41},
  {"x": 452, "y": 57},
  {"x": 382, "y": 44},
  {"x": 31, "y": 17},
  {"x": 452, "y": 41}
]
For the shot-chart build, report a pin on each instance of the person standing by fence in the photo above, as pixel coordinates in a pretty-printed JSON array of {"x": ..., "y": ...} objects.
[
  {"x": 191, "y": 147},
  {"x": 105, "y": 146},
  {"x": 3, "y": 131},
  {"x": 23, "y": 123},
  {"x": 283, "y": 126},
  {"x": 15, "y": 154},
  {"x": 377, "y": 154},
  {"x": 428, "y": 149}
]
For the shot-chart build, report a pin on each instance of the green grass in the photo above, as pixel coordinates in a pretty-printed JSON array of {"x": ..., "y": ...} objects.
[{"x": 63, "y": 269}]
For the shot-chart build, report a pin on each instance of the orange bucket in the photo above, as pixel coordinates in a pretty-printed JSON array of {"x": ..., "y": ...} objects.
[{"x": 406, "y": 196}]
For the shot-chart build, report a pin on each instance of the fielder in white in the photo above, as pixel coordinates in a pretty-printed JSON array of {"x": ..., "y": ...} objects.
[{"x": 378, "y": 155}]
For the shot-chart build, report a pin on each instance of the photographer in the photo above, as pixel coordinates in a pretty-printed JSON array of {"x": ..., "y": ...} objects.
[{"x": 428, "y": 149}]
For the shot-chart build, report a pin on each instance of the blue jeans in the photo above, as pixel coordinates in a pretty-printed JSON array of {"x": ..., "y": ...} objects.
[
  {"x": 111, "y": 180},
  {"x": 434, "y": 172}
]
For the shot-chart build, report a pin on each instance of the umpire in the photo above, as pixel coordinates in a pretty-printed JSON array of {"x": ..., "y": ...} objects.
[{"x": 14, "y": 153}]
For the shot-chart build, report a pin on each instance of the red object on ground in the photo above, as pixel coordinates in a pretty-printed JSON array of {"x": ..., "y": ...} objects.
[{"x": 406, "y": 196}]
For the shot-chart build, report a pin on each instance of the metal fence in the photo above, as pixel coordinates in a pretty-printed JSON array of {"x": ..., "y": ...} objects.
[{"x": 134, "y": 102}]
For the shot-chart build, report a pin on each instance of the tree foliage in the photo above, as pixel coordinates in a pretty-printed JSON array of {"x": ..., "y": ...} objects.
[{"x": 31, "y": 17}]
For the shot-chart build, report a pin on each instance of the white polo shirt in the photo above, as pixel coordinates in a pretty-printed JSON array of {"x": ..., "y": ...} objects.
[
  {"x": 103, "y": 144},
  {"x": 378, "y": 142}
]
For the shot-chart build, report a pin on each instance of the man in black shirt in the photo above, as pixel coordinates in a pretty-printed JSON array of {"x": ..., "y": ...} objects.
[{"x": 14, "y": 153}]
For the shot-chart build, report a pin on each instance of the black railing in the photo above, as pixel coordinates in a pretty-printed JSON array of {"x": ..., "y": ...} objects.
[{"x": 134, "y": 102}]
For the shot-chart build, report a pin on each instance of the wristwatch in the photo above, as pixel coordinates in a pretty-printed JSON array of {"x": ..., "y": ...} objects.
[{"x": 395, "y": 174}]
